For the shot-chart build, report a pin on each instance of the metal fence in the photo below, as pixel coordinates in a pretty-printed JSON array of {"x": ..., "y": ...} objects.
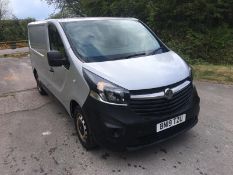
[{"x": 13, "y": 44}]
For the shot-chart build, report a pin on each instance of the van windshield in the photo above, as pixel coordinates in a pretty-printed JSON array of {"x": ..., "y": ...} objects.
[{"x": 105, "y": 40}]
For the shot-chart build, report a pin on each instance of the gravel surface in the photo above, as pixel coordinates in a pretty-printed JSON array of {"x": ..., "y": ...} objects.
[{"x": 37, "y": 136}]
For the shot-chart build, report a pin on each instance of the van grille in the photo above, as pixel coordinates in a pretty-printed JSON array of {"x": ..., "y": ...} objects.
[{"x": 162, "y": 106}]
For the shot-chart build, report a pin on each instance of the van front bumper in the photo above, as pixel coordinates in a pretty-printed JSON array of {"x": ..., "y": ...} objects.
[{"x": 119, "y": 128}]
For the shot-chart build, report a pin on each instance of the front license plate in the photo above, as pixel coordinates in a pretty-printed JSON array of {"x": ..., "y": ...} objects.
[{"x": 171, "y": 122}]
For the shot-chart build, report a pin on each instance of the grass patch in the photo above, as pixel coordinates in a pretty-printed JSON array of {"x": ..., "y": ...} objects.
[
  {"x": 214, "y": 73},
  {"x": 15, "y": 55}
]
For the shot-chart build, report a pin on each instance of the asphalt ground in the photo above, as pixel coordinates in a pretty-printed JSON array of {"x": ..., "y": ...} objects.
[{"x": 37, "y": 136}]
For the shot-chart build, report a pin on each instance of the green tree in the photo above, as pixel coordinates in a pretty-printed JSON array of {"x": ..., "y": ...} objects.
[
  {"x": 14, "y": 29},
  {"x": 199, "y": 30}
]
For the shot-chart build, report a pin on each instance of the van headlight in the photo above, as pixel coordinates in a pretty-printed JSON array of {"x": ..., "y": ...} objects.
[{"x": 104, "y": 90}]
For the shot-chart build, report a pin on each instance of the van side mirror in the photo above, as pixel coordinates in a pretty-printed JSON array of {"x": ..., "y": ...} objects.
[{"x": 55, "y": 58}]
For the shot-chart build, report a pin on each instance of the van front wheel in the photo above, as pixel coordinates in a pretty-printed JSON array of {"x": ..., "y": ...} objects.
[{"x": 83, "y": 130}]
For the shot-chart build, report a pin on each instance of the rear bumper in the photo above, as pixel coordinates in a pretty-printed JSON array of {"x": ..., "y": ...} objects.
[{"x": 119, "y": 128}]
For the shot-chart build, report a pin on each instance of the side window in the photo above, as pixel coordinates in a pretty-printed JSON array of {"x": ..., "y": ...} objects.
[
  {"x": 55, "y": 40},
  {"x": 37, "y": 37}
]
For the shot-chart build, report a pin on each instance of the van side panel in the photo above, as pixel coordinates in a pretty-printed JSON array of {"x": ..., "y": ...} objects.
[
  {"x": 69, "y": 84},
  {"x": 65, "y": 84},
  {"x": 75, "y": 87},
  {"x": 38, "y": 45}
]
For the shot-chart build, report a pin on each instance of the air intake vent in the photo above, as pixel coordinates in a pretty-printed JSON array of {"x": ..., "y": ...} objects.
[{"x": 159, "y": 107}]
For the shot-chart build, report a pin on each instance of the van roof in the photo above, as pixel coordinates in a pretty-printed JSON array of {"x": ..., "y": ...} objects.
[{"x": 78, "y": 19}]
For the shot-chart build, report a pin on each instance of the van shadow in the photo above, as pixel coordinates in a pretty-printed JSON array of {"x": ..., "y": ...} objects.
[{"x": 166, "y": 148}]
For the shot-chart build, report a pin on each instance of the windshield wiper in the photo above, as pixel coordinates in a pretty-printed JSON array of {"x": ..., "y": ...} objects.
[
  {"x": 136, "y": 55},
  {"x": 145, "y": 54},
  {"x": 155, "y": 51},
  {"x": 139, "y": 54}
]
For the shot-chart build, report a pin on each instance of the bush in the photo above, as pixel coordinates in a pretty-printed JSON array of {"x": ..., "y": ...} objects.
[
  {"x": 14, "y": 30},
  {"x": 199, "y": 30}
]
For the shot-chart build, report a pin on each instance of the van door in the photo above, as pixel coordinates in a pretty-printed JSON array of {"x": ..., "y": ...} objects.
[
  {"x": 59, "y": 74},
  {"x": 38, "y": 44}
]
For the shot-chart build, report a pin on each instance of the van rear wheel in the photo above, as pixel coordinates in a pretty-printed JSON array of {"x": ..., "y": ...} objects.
[
  {"x": 40, "y": 89},
  {"x": 39, "y": 86},
  {"x": 83, "y": 129}
]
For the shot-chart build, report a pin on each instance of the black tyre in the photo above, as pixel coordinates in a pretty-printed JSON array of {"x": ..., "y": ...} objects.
[
  {"x": 39, "y": 86},
  {"x": 83, "y": 130}
]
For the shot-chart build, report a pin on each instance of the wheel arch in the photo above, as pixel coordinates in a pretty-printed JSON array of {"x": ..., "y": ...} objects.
[
  {"x": 73, "y": 104},
  {"x": 35, "y": 73}
]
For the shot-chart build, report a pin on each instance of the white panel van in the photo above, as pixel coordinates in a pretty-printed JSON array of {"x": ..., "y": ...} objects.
[{"x": 121, "y": 85}]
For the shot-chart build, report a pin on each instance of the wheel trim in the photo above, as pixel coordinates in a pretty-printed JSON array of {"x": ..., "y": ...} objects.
[{"x": 81, "y": 127}]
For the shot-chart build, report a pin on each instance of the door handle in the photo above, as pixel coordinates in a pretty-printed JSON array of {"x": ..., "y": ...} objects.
[{"x": 51, "y": 69}]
